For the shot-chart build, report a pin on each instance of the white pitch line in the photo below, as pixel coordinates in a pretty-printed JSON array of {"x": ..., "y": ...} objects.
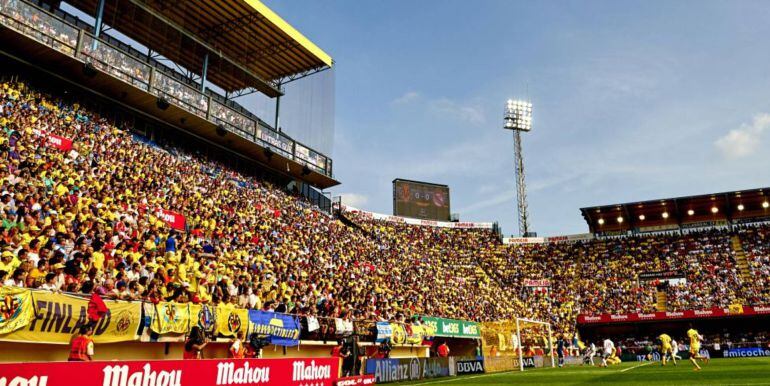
[
  {"x": 633, "y": 367},
  {"x": 461, "y": 378}
]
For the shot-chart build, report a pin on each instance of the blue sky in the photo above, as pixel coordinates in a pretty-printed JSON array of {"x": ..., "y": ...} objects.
[{"x": 633, "y": 100}]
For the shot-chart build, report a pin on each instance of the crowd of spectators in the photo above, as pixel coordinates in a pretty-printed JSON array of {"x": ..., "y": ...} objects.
[
  {"x": 116, "y": 63},
  {"x": 39, "y": 26},
  {"x": 90, "y": 215},
  {"x": 755, "y": 242},
  {"x": 233, "y": 119}
]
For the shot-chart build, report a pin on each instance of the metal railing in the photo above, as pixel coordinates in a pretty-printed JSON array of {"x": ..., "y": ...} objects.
[
  {"x": 53, "y": 31},
  {"x": 112, "y": 61}
]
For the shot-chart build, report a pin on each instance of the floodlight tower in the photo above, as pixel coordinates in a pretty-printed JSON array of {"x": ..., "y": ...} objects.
[{"x": 518, "y": 118}]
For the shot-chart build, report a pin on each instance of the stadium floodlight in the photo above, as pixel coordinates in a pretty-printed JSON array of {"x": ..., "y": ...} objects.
[
  {"x": 714, "y": 209},
  {"x": 601, "y": 221},
  {"x": 765, "y": 204},
  {"x": 690, "y": 212},
  {"x": 620, "y": 220},
  {"x": 741, "y": 207},
  {"x": 642, "y": 217},
  {"x": 518, "y": 118},
  {"x": 665, "y": 215}
]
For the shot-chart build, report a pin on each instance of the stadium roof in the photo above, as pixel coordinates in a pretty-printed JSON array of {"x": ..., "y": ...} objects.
[
  {"x": 681, "y": 212},
  {"x": 249, "y": 45}
]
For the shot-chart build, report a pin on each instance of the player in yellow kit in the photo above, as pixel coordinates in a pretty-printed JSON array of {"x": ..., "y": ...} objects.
[
  {"x": 666, "y": 349},
  {"x": 695, "y": 339}
]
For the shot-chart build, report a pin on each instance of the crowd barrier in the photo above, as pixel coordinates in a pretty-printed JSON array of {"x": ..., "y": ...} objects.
[{"x": 285, "y": 372}]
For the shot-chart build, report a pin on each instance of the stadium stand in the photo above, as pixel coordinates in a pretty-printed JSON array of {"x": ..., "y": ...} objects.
[{"x": 90, "y": 215}]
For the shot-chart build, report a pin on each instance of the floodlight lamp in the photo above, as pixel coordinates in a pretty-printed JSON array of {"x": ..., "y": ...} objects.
[
  {"x": 714, "y": 210},
  {"x": 641, "y": 217},
  {"x": 690, "y": 212},
  {"x": 664, "y": 214},
  {"x": 620, "y": 220},
  {"x": 766, "y": 204},
  {"x": 601, "y": 221},
  {"x": 741, "y": 207}
]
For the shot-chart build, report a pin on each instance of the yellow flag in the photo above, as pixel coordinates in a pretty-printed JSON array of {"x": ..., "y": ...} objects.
[
  {"x": 171, "y": 317},
  {"x": 416, "y": 336},
  {"x": 15, "y": 309},
  {"x": 231, "y": 320},
  {"x": 736, "y": 308},
  {"x": 399, "y": 334}
]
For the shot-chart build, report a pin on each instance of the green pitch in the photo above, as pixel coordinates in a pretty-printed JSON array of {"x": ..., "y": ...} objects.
[{"x": 733, "y": 371}]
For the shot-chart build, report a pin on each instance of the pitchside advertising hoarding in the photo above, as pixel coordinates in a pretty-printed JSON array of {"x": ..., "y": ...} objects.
[
  {"x": 746, "y": 352},
  {"x": 475, "y": 366},
  {"x": 253, "y": 372},
  {"x": 421, "y": 200},
  {"x": 716, "y": 312},
  {"x": 407, "y": 369}
]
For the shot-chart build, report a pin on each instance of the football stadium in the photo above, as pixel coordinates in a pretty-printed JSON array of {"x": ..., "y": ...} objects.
[{"x": 171, "y": 215}]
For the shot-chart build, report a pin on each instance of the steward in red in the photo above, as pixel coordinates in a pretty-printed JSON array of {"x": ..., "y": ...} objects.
[{"x": 82, "y": 345}]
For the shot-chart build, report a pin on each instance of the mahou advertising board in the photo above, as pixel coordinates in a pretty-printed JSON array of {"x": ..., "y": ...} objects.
[
  {"x": 251, "y": 372},
  {"x": 716, "y": 312}
]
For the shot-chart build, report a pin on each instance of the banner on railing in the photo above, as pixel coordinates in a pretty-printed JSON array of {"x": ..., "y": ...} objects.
[
  {"x": 523, "y": 240},
  {"x": 537, "y": 283},
  {"x": 417, "y": 334},
  {"x": 716, "y": 312},
  {"x": 384, "y": 332},
  {"x": 171, "y": 318},
  {"x": 58, "y": 316},
  {"x": 661, "y": 275},
  {"x": 280, "y": 329},
  {"x": 453, "y": 328},
  {"x": 16, "y": 310},
  {"x": 231, "y": 320},
  {"x": 288, "y": 372},
  {"x": 414, "y": 221}
]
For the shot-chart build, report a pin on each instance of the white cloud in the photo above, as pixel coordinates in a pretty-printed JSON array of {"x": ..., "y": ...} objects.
[
  {"x": 744, "y": 141},
  {"x": 354, "y": 199},
  {"x": 471, "y": 113},
  {"x": 406, "y": 98}
]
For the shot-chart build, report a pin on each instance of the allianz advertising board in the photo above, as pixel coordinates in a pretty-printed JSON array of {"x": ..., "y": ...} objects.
[{"x": 407, "y": 369}]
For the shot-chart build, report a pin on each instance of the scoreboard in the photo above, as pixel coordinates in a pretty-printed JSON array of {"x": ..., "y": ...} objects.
[{"x": 421, "y": 200}]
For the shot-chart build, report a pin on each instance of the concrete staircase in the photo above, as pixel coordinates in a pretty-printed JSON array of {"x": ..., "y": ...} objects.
[
  {"x": 740, "y": 258},
  {"x": 661, "y": 302}
]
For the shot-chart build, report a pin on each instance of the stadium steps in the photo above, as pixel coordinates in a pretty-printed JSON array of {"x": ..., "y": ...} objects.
[
  {"x": 661, "y": 301},
  {"x": 740, "y": 258},
  {"x": 352, "y": 224}
]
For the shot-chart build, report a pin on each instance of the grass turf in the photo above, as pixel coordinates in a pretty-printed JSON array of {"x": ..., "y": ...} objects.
[{"x": 732, "y": 371}]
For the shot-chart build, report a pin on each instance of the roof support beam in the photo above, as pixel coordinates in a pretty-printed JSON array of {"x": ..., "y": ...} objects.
[
  {"x": 98, "y": 19},
  {"x": 199, "y": 42},
  {"x": 254, "y": 56},
  {"x": 231, "y": 25},
  {"x": 303, "y": 74}
]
